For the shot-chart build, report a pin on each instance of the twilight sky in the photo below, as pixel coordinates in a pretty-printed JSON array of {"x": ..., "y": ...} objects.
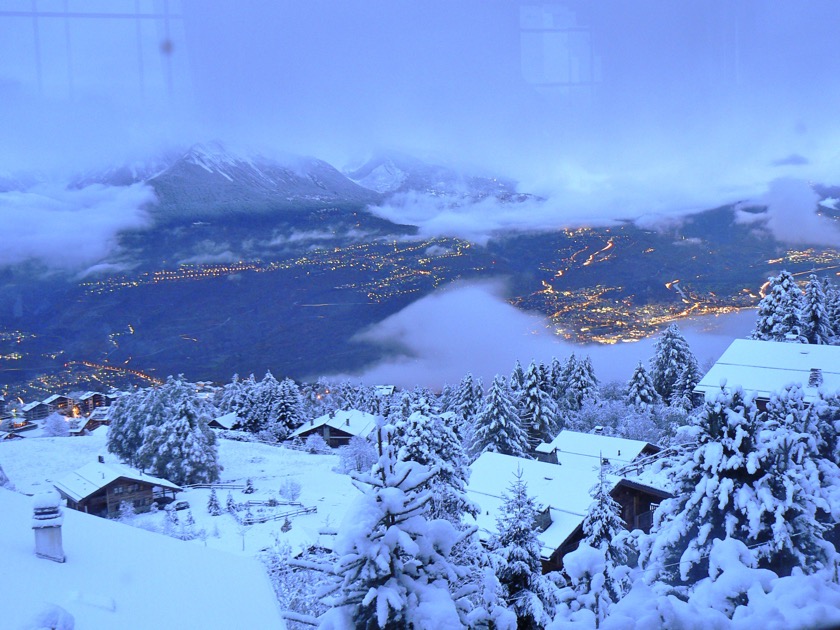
[{"x": 647, "y": 106}]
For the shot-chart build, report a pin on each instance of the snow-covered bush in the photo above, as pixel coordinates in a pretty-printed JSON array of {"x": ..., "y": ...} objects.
[
  {"x": 357, "y": 456},
  {"x": 315, "y": 443},
  {"x": 56, "y": 425},
  {"x": 290, "y": 489}
]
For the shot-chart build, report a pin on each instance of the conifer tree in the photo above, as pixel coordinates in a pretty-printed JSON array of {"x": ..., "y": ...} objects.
[
  {"x": 640, "y": 392},
  {"x": 713, "y": 485},
  {"x": 603, "y": 529},
  {"x": 580, "y": 384},
  {"x": 816, "y": 326},
  {"x": 393, "y": 568},
  {"x": 179, "y": 446},
  {"x": 832, "y": 307},
  {"x": 288, "y": 410},
  {"x": 537, "y": 410},
  {"x": 671, "y": 358},
  {"x": 431, "y": 442},
  {"x": 230, "y": 504},
  {"x": 497, "y": 427},
  {"x": 516, "y": 383},
  {"x": 516, "y": 551},
  {"x": 779, "y": 311},
  {"x": 213, "y": 506}
]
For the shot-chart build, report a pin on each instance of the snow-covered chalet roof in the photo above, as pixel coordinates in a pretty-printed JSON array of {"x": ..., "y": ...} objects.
[
  {"x": 117, "y": 576},
  {"x": 53, "y": 398},
  {"x": 564, "y": 489},
  {"x": 228, "y": 420},
  {"x": 94, "y": 476},
  {"x": 764, "y": 367},
  {"x": 576, "y": 448},
  {"x": 32, "y": 405},
  {"x": 352, "y": 421}
]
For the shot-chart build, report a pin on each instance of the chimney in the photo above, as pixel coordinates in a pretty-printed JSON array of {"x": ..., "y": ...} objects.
[
  {"x": 101, "y": 459},
  {"x": 47, "y": 518}
]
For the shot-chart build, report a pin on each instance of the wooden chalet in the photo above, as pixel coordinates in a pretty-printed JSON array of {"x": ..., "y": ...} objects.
[
  {"x": 97, "y": 418},
  {"x": 765, "y": 367},
  {"x": 563, "y": 491},
  {"x": 338, "y": 427},
  {"x": 99, "y": 488},
  {"x": 225, "y": 422}
]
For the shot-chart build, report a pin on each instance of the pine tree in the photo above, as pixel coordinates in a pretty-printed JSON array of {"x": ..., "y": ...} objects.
[
  {"x": 178, "y": 445},
  {"x": 640, "y": 392},
  {"x": 603, "y": 529},
  {"x": 393, "y": 568},
  {"x": 832, "y": 308},
  {"x": 213, "y": 507},
  {"x": 779, "y": 311},
  {"x": 816, "y": 325},
  {"x": 466, "y": 402},
  {"x": 262, "y": 413},
  {"x": 497, "y": 427},
  {"x": 249, "y": 487},
  {"x": 516, "y": 383},
  {"x": 431, "y": 442},
  {"x": 787, "y": 452},
  {"x": 580, "y": 384},
  {"x": 518, "y": 567},
  {"x": 537, "y": 411},
  {"x": 288, "y": 410},
  {"x": 127, "y": 419},
  {"x": 713, "y": 490},
  {"x": 671, "y": 358},
  {"x": 230, "y": 504}
]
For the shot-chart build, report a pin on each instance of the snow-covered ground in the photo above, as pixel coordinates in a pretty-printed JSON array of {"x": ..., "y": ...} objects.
[{"x": 31, "y": 464}]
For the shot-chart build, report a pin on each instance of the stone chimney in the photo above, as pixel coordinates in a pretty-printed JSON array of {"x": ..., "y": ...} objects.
[{"x": 46, "y": 522}]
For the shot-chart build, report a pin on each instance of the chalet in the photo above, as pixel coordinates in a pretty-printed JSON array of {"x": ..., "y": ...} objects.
[
  {"x": 36, "y": 410},
  {"x": 227, "y": 421},
  {"x": 570, "y": 446},
  {"x": 114, "y": 576},
  {"x": 563, "y": 491},
  {"x": 9, "y": 435},
  {"x": 99, "y": 488},
  {"x": 764, "y": 367},
  {"x": 99, "y": 417},
  {"x": 338, "y": 427}
]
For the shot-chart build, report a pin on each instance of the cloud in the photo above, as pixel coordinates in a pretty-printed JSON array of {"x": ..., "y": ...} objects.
[
  {"x": 791, "y": 215},
  {"x": 66, "y": 228},
  {"x": 209, "y": 252},
  {"x": 471, "y": 328}
]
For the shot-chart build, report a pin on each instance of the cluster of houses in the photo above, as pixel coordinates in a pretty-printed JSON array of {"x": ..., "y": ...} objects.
[{"x": 87, "y": 410}]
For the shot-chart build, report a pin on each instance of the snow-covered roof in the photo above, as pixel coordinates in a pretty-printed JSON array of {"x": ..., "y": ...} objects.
[
  {"x": 32, "y": 405},
  {"x": 228, "y": 420},
  {"x": 158, "y": 581},
  {"x": 564, "y": 489},
  {"x": 53, "y": 398},
  {"x": 94, "y": 476},
  {"x": 571, "y": 446},
  {"x": 351, "y": 421},
  {"x": 764, "y": 367},
  {"x": 100, "y": 413},
  {"x": 384, "y": 390}
]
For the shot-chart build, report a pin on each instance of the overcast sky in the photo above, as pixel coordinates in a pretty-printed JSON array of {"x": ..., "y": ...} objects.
[{"x": 649, "y": 99}]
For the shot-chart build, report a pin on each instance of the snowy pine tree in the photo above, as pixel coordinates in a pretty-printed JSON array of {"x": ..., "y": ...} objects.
[
  {"x": 779, "y": 311},
  {"x": 516, "y": 554},
  {"x": 431, "y": 442},
  {"x": 393, "y": 566},
  {"x": 713, "y": 494},
  {"x": 466, "y": 403},
  {"x": 816, "y": 326},
  {"x": 640, "y": 392},
  {"x": 603, "y": 529},
  {"x": 288, "y": 410},
  {"x": 580, "y": 383},
  {"x": 213, "y": 506},
  {"x": 537, "y": 411},
  {"x": 832, "y": 308},
  {"x": 497, "y": 426},
  {"x": 672, "y": 357}
]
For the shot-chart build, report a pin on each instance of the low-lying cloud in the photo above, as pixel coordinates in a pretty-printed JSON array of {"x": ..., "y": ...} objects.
[
  {"x": 791, "y": 215},
  {"x": 471, "y": 328},
  {"x": 68, "y": 228}
]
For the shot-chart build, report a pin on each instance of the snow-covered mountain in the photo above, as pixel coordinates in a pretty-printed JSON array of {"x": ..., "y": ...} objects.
[
  {"x": 210, "y": 180},
  {"x": 391, "y": 173}
]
